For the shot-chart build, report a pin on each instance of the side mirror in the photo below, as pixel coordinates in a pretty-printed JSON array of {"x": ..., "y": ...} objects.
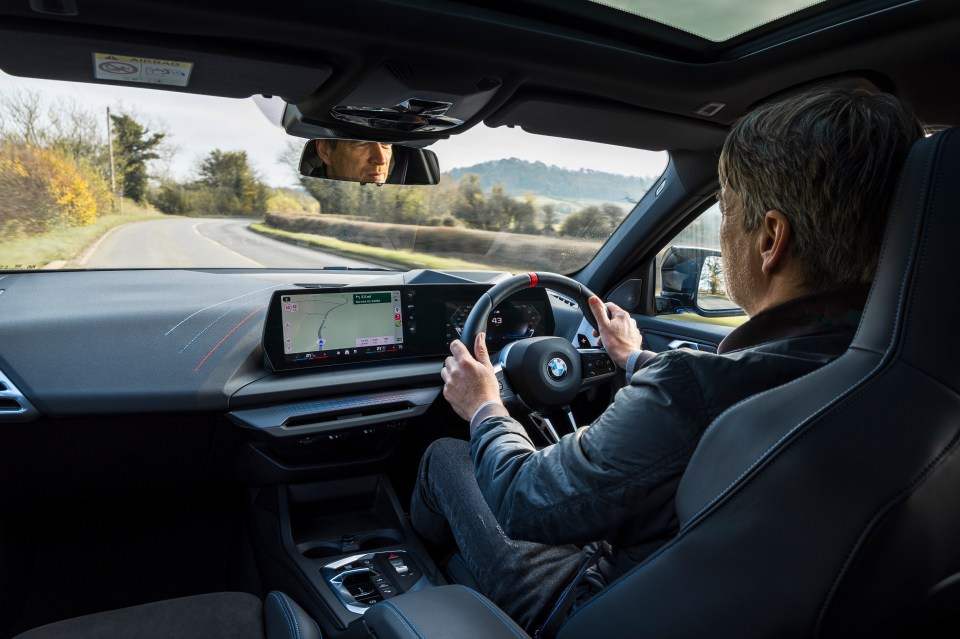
[
  {"x": 693, "y": 282},
  {"x": 369, "y": 162}
]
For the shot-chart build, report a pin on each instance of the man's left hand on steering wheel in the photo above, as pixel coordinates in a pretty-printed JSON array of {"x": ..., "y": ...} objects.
[{"x": 468, "y": 382}]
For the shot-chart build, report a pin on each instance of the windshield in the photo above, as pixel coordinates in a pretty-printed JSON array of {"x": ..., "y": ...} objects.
[{"x": 103, "y": 177}]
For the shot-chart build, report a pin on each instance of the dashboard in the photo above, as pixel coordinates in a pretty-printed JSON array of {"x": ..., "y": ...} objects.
[
  {"x": 142, "y": 380},
  {"x": 161, "y": 341}
]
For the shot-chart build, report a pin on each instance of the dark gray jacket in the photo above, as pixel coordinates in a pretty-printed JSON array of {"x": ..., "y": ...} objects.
[{"x": 615, "y": 480}]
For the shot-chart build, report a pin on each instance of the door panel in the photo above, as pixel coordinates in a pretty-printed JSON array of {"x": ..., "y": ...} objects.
[{"x": 662, "y": 334}]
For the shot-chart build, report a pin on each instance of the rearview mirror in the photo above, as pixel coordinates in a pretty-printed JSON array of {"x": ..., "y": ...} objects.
[{"x": 369, "y": 162}]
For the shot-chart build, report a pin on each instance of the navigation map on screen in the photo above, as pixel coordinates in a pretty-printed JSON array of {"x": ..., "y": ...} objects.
[{"x": 343, "y": 322}]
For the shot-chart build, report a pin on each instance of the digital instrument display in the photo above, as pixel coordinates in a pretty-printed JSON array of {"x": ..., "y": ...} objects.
[
  {"x": 510, "y": 321},
  {"x": 308, "y": 328}
]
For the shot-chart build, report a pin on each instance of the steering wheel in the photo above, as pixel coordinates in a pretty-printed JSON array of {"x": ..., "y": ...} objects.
[{"x": 541, "y": 375}]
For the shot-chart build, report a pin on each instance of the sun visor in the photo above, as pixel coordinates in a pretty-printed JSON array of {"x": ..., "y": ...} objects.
[
  {"x": 120, "y": 63},
  {"x": 402, "y": 100},
  {"x": 580, "y": 118}
]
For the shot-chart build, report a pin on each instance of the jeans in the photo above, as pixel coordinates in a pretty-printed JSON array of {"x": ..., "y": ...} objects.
[{"x": 522, "y": 577}]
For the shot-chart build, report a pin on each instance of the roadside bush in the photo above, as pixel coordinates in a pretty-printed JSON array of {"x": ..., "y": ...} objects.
[
  {"x": 41, "y": 189},
  {"x": 501, "y": 250},
  {"x": 169, "y": 199},
  {"x": 288, "y": 201}
]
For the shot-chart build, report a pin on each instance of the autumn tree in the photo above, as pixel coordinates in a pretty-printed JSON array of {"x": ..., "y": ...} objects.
[{"x": 49, "y": 176}]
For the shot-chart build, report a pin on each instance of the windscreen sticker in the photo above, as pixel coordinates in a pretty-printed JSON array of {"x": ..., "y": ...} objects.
[{"x": 123, "y": 68}]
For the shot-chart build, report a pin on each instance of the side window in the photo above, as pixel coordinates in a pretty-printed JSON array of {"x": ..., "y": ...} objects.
[{"x": 690, "y": 281}]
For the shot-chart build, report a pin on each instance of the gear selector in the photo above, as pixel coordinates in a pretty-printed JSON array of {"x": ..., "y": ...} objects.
[{"x": 361, "y": 581}]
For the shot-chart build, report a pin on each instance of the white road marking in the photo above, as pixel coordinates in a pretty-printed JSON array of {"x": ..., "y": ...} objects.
[{"x": 197, "y": 231}]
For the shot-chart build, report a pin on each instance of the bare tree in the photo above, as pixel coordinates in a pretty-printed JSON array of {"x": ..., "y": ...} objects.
[{"x": 21, "y": 117}]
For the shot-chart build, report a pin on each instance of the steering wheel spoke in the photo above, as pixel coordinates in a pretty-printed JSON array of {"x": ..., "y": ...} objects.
[
  {"x": 508, "y": 396},
  {"x": 555, "y": 424},
  {"x": 596, "y": 366}
]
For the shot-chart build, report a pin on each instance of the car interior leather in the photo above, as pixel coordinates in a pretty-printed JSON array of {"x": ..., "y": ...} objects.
[{"x": 809, "y": 507}]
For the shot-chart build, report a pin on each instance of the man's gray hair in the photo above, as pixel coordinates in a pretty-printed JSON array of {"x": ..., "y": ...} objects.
[{"x": 828, "y": 160}]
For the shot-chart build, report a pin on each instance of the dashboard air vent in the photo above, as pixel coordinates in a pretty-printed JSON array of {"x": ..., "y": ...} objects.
[
  {"x": 569, "y": 301},
  {"x": 14, "y": 407},
  {"x": 488, "y": 83}
]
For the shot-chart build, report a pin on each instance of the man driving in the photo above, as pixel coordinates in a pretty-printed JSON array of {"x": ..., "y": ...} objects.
[
  {"x": 806, "y": 183},
  {"x": 355, "y": 160}
]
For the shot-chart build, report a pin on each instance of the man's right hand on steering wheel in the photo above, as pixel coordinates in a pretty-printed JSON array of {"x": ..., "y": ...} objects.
[{"x": 618, "y": 333}]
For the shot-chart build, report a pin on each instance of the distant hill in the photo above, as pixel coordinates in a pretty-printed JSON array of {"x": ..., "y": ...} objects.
[{"x": 519, "y": 177}]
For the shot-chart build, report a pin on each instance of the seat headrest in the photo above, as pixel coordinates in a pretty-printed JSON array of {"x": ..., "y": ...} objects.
[{"x": 909, "y": 306}]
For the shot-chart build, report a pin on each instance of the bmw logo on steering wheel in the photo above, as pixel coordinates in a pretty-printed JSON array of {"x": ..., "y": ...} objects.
[{"x": 557, "y": 368}]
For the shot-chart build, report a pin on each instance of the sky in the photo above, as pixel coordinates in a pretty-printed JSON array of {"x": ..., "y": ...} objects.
[
  {"x": 198, "y": 124},
  {"x": 717, "y": 20}
]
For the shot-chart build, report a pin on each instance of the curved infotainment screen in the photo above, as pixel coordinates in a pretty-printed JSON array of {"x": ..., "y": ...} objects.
[
  {"x": 308, "y": 328},
  {"x": 341, "y": 321}
]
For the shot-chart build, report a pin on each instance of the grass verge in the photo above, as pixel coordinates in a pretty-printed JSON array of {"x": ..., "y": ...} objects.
[
  {"x": 62, "y": 245},
  {"x": 402, "y": 259}
]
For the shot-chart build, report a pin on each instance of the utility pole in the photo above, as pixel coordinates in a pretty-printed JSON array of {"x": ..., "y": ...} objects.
[{"x": 113, "y": 177}]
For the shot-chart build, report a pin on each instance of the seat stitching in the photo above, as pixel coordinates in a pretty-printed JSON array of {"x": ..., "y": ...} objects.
[
  {"x": 489, "y": 607},
  {"x": 934, "y": 197},
  {"x": 407, "y": 622},
  {"x": 283, "y": 612},
  {"x": 556, "y": 606},
  {"x": 887, "y": 240},
  {"x": 293, "y": 614}
]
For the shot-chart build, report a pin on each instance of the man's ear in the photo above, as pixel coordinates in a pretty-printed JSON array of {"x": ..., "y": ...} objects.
[
  {"x": 323, "y": 151},
  {"x": 776, "y": 235}
]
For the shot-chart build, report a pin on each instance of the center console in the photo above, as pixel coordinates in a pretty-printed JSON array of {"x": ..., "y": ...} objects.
[
  {"x": 348, "y": 544},
  {"x": 364, "y": 580}
]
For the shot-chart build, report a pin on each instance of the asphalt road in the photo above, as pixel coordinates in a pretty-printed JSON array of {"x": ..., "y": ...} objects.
[{"x": 200, "y": 243}]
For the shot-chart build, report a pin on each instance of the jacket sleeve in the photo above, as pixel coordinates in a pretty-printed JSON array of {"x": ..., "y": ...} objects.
[{"x": 623, "y": 467}]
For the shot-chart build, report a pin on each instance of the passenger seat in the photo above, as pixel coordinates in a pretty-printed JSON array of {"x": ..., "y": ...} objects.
[{"x": 233, "y": 615}]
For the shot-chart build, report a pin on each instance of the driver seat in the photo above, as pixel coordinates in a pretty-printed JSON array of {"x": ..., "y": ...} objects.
[{"x": 829, "y": 506}]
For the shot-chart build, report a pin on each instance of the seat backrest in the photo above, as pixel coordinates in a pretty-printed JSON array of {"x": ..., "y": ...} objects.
[{"x": 830, "y": 505}]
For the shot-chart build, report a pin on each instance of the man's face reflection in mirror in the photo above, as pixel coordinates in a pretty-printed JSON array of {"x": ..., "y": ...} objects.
[{"x": 355, "y": 160}]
